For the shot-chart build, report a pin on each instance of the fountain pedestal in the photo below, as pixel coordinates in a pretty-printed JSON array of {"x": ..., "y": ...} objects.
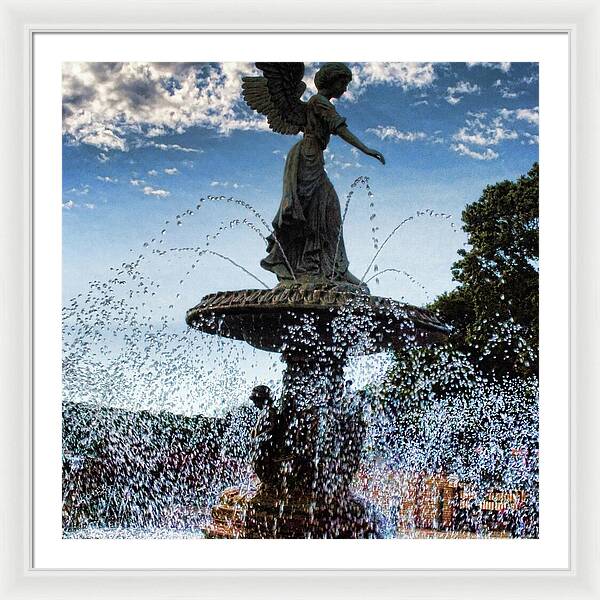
[{"x": 308, "y": 450}]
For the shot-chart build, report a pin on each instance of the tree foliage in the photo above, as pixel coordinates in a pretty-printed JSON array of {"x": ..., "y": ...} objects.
[{"x": 494, "y": 308}]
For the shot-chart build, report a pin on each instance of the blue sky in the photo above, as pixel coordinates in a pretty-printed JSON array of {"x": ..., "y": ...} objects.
[{"x": 142, "y": 143}]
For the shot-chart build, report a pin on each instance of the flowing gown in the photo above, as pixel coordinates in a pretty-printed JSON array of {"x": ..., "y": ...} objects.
[{"x": 307, "y": 229}]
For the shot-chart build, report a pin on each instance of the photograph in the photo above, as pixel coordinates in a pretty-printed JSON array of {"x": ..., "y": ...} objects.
[{"x": 300, "y": 300}]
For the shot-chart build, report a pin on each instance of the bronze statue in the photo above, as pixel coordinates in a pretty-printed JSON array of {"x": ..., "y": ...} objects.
[
  {"x": 267, "y": 437},
  {"x": 307, "y": 242}
]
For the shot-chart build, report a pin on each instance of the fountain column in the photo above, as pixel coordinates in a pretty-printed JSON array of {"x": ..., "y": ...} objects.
[{"x": 320, "y": 439}]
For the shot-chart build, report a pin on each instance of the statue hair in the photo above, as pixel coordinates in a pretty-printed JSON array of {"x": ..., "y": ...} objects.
[
  {"x": 261, "y": 396},
  {"x": 329, "y": 72}
]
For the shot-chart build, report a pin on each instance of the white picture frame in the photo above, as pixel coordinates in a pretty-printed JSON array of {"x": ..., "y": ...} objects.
[{"x": 19, "y": 22}]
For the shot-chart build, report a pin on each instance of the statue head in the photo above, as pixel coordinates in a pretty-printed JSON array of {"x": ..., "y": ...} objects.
[
  {"x": 333, "y": 77},
  {"x": 261, "y": 396}
]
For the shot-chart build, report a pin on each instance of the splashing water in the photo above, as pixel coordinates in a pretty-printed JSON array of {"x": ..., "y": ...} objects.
[
  {"x": 249, "y": 207},
  {"x": 358, "y": 181},
  {"x": 157, "y": 422},
  {"x": 410, "y": 277},
  {"x": 419, "y": 213}
]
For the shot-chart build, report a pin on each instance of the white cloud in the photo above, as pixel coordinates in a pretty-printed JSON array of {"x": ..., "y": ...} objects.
[
  {"x": 171, "y": 171},
  {"x": 404, "y": 74},
  {"x": 102, "y": 157},
  {"x": 477, "y": 138},
  {"x": 232, "y": 184},
  {"x": 112, "y": 105},
  {"x": 152, "y": 172},
  {"x": 503, "y": 66},
  {"x": 343, "y": 165},
  {"x": 136, "y": 182},
  {"x": 172, "y": 147},
  {"x": 531, "y": 138},
  {"x": 81, "y": 190},
  {"x": 150, "y": 191},
  {"x": 484, "y": 134},
  {"x": 464, "y": 87},
  {"x": 156, "y": 131},
  {"x": 98, "y": 135},
  {"x": 107, "y": 179},
  {"x": 531, "y": 115},
  {"x": 513, "y": 88},
  {"x": 488, "y": 154},
  {"x": 104, "y": 104},
  {"x": 481, "y": 130},
  {"x": 455, "y": 93},
  {"x": 70, "y": 204},
  {"x": 391, "y": 133},
  {"x": 528, "y": 80}
]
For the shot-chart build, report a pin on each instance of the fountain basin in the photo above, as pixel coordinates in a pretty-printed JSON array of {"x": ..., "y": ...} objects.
[{"x": 264, "y": 318}]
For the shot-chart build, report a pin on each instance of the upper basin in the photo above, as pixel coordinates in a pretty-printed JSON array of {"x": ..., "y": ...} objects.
[{"x": 277, "y": 319}]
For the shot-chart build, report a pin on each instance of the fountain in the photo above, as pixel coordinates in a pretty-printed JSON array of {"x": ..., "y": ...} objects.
[
  {"x": 158, "y": 437},
  {"x": 307, "y": 443},
  {"x": 314, "y": 450}
]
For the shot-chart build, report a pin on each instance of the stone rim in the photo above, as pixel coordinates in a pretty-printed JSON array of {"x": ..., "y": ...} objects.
[{"x": 241, "y": 311}]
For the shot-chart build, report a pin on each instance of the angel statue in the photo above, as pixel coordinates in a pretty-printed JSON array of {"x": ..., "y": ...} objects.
[{"x": 307, "y": 244}]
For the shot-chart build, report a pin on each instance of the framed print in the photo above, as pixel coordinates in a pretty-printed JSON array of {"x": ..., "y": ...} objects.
[
  {"x": 159, "y": 435},
  {"x": 305, "y": 318}
]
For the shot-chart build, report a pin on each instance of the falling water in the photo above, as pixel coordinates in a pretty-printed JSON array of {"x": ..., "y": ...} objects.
[
  {"x": 419, "y": 213},
  {"x": 157, "y": 422},
  {"x": 358, "y": 181}
]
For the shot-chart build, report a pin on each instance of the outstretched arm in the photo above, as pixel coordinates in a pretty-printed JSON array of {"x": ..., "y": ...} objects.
[{"x": 349, "y": 137}]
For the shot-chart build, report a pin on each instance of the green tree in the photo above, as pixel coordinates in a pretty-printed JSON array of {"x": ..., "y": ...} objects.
[{"x": 494, "y": 308}]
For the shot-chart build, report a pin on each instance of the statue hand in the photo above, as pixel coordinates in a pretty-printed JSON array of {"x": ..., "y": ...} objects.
[{"x": 376, "y": 154}]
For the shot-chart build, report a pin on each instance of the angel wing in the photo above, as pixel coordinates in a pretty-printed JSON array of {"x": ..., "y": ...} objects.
[{"x": 277, "y": 95}]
